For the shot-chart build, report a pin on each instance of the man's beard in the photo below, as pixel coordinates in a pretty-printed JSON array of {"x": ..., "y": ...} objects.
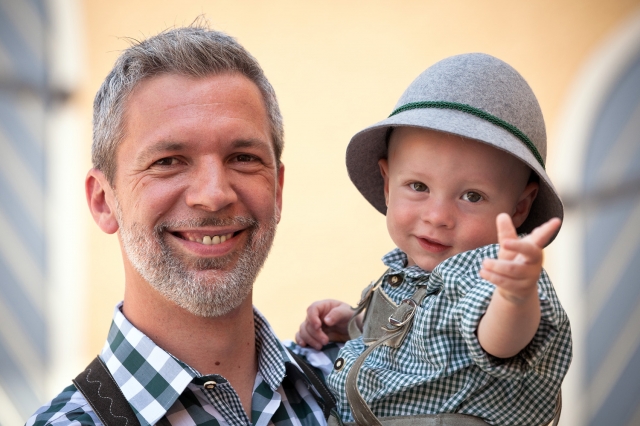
[{"x": 176, "y": 277}]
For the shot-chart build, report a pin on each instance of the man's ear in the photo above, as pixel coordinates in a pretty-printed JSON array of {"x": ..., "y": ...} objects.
[
  {"x": 383, "y": 163},
  {"x": 525, "y": 201},
  {"x": 101, "y": 200},
  {"x": 280, "y": 184}
]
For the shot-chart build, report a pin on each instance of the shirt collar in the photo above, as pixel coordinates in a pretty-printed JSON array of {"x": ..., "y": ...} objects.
[
  {"x": 468, "y": 262},
  {"x": 152, "y": 379},
  {"x": 396, "y": 259}
]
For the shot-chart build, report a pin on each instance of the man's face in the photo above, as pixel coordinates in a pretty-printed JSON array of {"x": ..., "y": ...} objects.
[
  {"x": 197, "y": 188},
  {"x": 444, "y": 192}
]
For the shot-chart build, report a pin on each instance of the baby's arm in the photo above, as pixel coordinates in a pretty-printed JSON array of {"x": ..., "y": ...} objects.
[
  {"x": 513, "y": 315},
  {"x": 327, "y": 321}
]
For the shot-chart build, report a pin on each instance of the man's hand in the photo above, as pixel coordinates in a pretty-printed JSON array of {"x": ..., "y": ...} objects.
[
  {"x": 327, "y": 321},
  {"x": 513, "y": 315}
]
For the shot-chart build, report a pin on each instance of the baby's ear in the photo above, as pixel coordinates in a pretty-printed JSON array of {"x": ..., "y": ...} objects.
[
  {"x": 525, "y": 201},
  {"x": 383, "y": 163}
]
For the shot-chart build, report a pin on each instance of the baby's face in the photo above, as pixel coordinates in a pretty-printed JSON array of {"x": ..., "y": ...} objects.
[{"x": 444, "y": 192}]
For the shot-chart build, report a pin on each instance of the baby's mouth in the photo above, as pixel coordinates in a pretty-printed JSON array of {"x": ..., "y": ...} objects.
[{"x": 432, "y": 244}]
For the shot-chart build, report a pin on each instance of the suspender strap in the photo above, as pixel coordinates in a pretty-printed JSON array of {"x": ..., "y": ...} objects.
[
  {"x": 113, "y": 409},
  {"x": 556, "y": 414},
  {"x": 399, "y": 324},
  {"x": 328, "y": 402},
  {"x": 104, "y": 395},
  {"x": 362, "y": 414},
  {"x": 365, "y": 299}
]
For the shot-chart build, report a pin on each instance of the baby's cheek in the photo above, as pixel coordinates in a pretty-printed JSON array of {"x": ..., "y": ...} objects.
[
  {"x": 399, "y": 226},
  {"x": 479, "y": 233}
]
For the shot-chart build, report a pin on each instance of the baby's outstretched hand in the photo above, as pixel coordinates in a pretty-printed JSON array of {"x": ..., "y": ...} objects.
[
  {"x": 513, "y": 316},
  {"x": 516, "y": 270},
  {"x": 327, "y": 321}
]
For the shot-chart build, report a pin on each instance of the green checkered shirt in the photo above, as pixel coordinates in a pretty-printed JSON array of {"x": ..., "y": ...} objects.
[
  {"x": 441, "y": 368},
  {"x": 159, "y": 386}
]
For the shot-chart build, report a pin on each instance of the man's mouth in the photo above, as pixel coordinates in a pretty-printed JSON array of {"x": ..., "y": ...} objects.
[{"x": 204, "y": 238}]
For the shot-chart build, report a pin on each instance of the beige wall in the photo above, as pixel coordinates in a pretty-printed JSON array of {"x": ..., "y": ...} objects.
[{"x": 338, "y": 66}]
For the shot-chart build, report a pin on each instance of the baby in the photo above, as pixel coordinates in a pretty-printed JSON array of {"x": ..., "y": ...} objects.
[{"x": 456, "y": 168}]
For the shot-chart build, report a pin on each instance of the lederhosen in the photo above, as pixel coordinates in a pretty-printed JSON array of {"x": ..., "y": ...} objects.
[
  {"x": 386, "y": 323},
  {"x": 112, "y": 408}
]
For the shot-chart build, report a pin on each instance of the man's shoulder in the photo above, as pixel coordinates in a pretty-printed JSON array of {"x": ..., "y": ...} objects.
[{"x": 68, "y": 408}]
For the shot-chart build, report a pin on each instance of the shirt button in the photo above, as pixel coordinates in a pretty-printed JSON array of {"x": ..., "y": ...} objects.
[
  {"x": 210, "y": 385},
  {"x": 395, "y": 280},
  {"x": 338, "y": 364}
]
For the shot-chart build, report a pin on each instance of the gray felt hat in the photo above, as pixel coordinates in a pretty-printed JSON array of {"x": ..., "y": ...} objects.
[{"x": 472, "y": 95}]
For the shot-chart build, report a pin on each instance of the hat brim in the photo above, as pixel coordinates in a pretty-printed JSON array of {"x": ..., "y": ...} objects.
[{"x": 370, "y": 145}]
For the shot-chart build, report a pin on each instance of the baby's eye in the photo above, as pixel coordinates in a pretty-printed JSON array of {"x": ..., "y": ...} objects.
[
  {"x": 418, "y": 186},
  {"x": 472, "y": 197}
]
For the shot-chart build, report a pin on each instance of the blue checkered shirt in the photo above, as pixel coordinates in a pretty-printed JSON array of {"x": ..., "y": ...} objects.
[
  {"x": 441, "y": 367},
  {"x": 159, "y": 386}
]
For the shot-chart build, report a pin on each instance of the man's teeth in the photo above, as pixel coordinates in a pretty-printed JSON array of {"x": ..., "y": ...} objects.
[{"x": 212, "y": 240}]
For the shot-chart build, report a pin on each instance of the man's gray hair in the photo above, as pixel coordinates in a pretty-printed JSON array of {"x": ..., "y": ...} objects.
[{"x": 191, "y": 51}]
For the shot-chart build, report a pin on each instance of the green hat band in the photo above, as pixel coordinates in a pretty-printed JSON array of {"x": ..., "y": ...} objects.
[{"x": 478, "y": 113}]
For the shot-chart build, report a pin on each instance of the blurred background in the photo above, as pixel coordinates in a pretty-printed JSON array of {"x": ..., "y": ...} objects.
[{"x": 337, "y": 66}]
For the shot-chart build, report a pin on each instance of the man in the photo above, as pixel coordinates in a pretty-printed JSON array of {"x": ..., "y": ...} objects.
[{"x": 186, "y": 154}]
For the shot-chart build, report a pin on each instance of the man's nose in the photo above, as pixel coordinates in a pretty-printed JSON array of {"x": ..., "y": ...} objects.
[
  {"x": 439, "y": 212},
  {"x": 210, "y": 188}
]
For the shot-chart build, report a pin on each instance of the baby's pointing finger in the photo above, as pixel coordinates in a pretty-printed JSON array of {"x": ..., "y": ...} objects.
[
  {"x": 506, "y": 232},
  {"x": 505, "y": 227}
]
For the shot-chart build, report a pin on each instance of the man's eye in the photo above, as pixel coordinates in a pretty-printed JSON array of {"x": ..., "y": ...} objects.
[
  {"x": 168, "y": 161},
  {"x": 245, "y": 158},
  {"x": 472, "y": 197},
  {"x": 418, "y": 186}
]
